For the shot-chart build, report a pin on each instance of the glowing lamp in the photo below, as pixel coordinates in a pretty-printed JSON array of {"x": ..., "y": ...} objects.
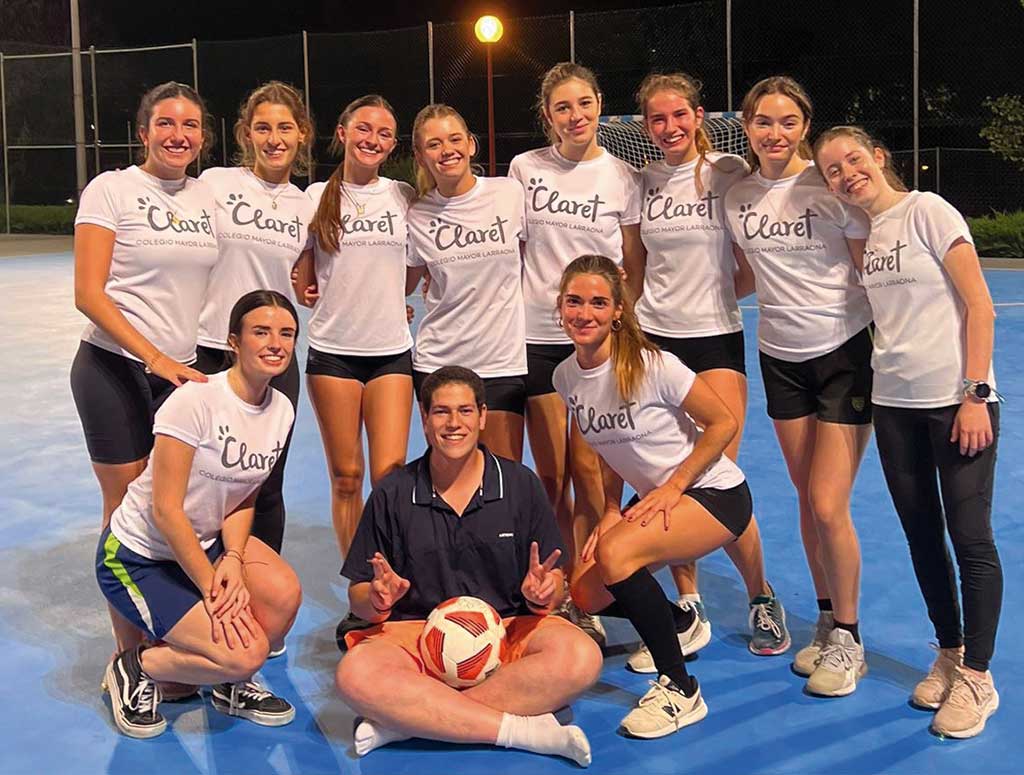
[{"x": 488, "y": 29}]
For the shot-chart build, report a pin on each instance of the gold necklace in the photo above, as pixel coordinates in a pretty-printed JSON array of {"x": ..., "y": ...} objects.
[
  {"x": 268, "y": 187},
  {"x": 360, "y": 206}
]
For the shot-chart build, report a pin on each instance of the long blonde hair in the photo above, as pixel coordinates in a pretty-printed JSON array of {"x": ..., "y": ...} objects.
[
  {"x": 326, "y": 224},
  {"x": 555, "y": 77},
  {"x": 689, "y": 89},
  {"x": 628, "y": 342},
  {"x": 868, "y": 143},
  {"x": 425, "y": 182},
  {"x": 787, "y": 87}
]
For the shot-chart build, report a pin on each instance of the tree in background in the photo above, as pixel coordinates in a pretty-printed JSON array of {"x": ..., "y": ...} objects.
[{"x": 1005, "y": 128}]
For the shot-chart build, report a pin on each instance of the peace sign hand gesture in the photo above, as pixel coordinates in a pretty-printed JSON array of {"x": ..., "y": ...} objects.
[
  {"x": 387, "y": 587},
  {"x": 541, "y": 582}
]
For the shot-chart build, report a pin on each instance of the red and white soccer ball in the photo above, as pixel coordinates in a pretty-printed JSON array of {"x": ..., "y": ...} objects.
[{"x": 461, "y": 642}]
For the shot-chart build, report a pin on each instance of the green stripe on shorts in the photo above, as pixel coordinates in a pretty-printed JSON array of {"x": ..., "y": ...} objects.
[{"x": 115, "y": 566}]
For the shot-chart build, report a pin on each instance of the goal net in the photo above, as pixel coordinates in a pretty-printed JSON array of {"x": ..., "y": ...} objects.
[{"x": 625, "y": 137}]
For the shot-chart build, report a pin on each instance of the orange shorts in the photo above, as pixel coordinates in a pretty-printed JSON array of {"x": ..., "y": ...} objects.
[{"x": 406, "y": 635}]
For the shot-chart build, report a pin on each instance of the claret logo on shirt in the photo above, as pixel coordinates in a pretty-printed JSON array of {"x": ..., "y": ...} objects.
[
  {"x": 161, "y": 219},
  {"x": 382, "y": 224},
  {"x": 884, "y": 262},
  {"x": 663, "y": 206},
  {"x": 236, "y": 453},
  {"x": 590, "y": 420},
  {"x": 447, "y": 235},
  {"x": 550, "y": 200},
  {"x": 244, "y": 214},
  {"x": 761, "y": 225}
]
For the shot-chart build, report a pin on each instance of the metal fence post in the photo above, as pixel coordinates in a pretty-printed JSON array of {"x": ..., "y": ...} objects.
[
  {"x": 309, "y": 102},
  {"x": 572, "y": 37},
  {"x": 728, "y": 53},
  {"x": 3, "y": 124},
  {"x": 917, "y": 95},
  {"x": 130, "y": 160},
  {"x": 78, "y": 101},
  {"x": 938, "y": 179},
  {"x": 430, "y": 58},
  {"x": 223, "y": 142},
  {"x": 95, "y": 110},
  {"x": 195, "y": 85}
]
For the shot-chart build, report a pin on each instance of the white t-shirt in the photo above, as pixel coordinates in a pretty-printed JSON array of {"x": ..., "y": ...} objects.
[
  {"x": 164, "y": 249},
  {"x": 572, "y": 209},
  {"x": 236, "y": 445},
  {"x": 646, "y": 438},
  {"x": 689, "y": 286},
  {"x": 361, "y": 309},
  {"x": 793, "y": 233},
  {"x": 261, "y": 231},
  {"x": 470, "y": 246},
  {"x": 920, "y": 336}
]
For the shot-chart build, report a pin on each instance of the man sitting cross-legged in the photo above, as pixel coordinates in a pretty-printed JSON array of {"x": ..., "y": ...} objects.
[{"x": 462, "y": 521}]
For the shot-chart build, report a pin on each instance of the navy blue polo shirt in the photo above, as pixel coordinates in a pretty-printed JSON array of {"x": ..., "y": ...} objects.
[{"x": 484, "y": 553}]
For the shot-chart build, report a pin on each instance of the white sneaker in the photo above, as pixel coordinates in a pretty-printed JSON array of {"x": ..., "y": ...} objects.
[
  {"x": 589, "y": 623},
  {"x": 663, "y": 710},
  {"x": 971, "y": 701},
  {"x": 840, "y": 665},
  {"x": 691, "y": 640},
  {"x": 806, "y": 659},
  {"x": 934, "y": 688}
]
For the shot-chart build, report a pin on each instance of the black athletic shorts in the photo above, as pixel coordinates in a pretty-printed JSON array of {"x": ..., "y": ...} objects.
[
  {"x": 501, "y": 394},
  {"x": 116, "y": 401},
  {"x": 835, "y": 386},
  {"x": 732, "y": 507},
  {"x": 541, "y": 360},
  {"x": 363, "y": 368},
  {"x": 210, "y": 360},
  {"x": 704, "y": 353}
]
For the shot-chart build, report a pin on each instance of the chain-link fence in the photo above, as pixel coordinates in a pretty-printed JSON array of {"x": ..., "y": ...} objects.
[{"x": 857, "y": 61}]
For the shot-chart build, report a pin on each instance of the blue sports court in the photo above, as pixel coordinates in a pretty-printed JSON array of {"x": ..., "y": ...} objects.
[{"x": 54, "y": 630}]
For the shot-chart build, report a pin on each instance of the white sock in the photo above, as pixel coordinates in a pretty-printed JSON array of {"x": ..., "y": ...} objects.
[
  {"x": 543, "y": 734},
  {"x": 689, "y": 597},
  {"x": 371, "y": 734}
]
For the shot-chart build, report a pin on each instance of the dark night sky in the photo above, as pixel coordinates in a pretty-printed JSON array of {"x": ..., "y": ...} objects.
[{"x": 141, "y": 22}]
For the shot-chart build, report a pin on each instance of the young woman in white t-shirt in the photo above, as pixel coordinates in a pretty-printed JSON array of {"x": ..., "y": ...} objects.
[
  {"x": 580, "y": 200},
  {"x": 685, "y": 288},
  {"x": 145, "y": 243},
  {"x": 639, "y": 408},
  {"x": 359, "y": 369},
  {"x": 815, "y": 353},
  {"x": 464, "y": 232},
  {"x": 936, "y": 413},
  {"x": 262, "y": 221},
  {"x": 178, "y": 560}
]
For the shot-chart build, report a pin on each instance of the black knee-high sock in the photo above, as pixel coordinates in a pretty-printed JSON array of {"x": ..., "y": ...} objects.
[
  {"x": 683, "y": 619},
  {"x": 650, "y": 612}
]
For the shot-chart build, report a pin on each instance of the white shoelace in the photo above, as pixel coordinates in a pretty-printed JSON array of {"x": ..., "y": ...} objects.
[
  {"x": 763, "y": 619},
  {"x": 968, "y": 690},
  {"x": 662, "y": 695},
  {"x": 836, "y": 656},
  {"x": 249, "y": 690},
  {"x": 146, "y": 697}
]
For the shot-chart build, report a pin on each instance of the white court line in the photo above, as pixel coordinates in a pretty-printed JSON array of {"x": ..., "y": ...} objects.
[{"x": 995, "y": 304}]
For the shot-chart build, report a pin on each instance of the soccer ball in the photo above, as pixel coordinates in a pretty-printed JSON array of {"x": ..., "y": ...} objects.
[{"x": 461, "y": 641}]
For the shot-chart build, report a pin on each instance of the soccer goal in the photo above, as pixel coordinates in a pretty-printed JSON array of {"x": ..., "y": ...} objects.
[{"x": 625, "y": 137}]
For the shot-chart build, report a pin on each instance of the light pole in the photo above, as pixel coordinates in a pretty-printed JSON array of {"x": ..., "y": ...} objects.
[{"x": 488, "y": 30}]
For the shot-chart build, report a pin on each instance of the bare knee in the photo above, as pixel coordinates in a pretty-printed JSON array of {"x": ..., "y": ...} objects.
[
  {"x": 357, "y": 679},
  {"x": 614, "y": 559},
  {"x": 347, "y": 482},
  {"x": 578, "y": 661},
  {"x": 380, "y": 470},
  {"x": 239, "y": 664},
  {"x": 831, "y": 513}
]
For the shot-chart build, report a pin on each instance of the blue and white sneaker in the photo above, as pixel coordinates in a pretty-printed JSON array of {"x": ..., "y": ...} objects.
[{"x": 768, "y": 633}]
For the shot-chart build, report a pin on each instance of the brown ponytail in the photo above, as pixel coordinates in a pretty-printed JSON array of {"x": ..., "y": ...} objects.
[
  {"x": 628, "y": 342},
  {"x": 326, "y": 224}
]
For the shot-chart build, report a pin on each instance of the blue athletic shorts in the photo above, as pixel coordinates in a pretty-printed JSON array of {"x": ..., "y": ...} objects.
[{"x": 151, "y": 594}]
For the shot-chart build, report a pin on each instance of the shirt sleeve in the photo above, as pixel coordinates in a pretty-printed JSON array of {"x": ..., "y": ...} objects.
[
  {"x": 856, "y": 224},
  {"x": 183, "y": 416},
  {"x": 99, "y": 203},
  {"x": 673, "y": 379},
  {"x": 631, "y": 189},
  {"x": 372, "y": 535},
  {"x": 939, "y": 225},
  {"x": 412, "y": 253},
  {"x": 543, "y": 528}
]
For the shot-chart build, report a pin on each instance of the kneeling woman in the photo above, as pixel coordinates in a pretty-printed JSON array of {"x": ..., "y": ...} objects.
[
  {"x": 634, "y": 404},
  {"x": 177, "y": 559}
]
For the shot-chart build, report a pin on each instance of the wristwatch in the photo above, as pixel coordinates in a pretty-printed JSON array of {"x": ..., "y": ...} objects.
[{"x": 980, "y": 390}]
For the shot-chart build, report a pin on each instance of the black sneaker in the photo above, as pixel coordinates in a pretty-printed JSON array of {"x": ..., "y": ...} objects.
[
  {"x": 134, "y": 696},
  {"x": 350, "y": 623},
  {"x": 250, "y": 700}
]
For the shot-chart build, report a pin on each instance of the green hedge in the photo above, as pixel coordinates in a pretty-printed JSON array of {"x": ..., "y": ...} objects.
[
  {"x": 1000, "y": 235},
  {"x": 39, "y": 219}
]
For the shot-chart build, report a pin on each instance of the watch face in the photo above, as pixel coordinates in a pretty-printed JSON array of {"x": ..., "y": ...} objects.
[{"x": 982, "y": 390}]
